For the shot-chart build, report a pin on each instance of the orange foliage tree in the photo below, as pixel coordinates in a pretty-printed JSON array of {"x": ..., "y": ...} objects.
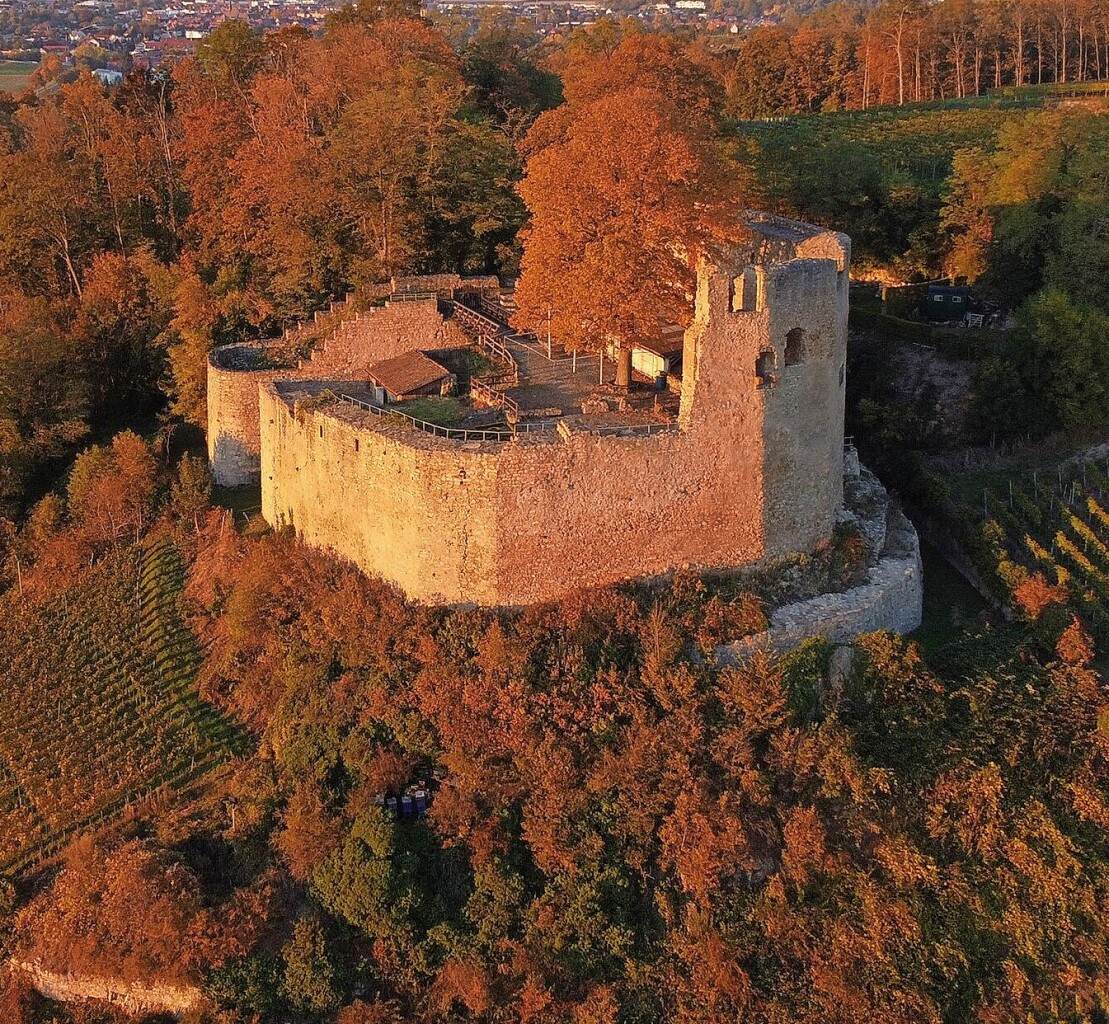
[{"x": 625, "y": 190}]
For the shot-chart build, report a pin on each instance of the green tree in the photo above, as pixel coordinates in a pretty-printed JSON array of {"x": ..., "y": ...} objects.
[
  {"x": 231, "y": 53},
  {"x": 311, "y": 983},
  {"x": 1075, "y": 358},
  {"x": 370, "y": 881},
  {"x": 191, "y": 490}
]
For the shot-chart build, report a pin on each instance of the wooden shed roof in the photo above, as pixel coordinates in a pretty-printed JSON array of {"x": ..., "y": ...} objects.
[{"x": 406, "y": 373}]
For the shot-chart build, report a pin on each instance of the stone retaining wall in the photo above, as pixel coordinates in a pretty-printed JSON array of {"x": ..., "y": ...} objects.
[
  {"x": 128, "y": 996},
  {"x": 892, "y": 599}
]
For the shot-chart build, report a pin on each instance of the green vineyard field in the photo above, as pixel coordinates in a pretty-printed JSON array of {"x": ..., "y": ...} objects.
[
  {"x": 1055, "y": 522},
  {"x": 99, "y": 705}
]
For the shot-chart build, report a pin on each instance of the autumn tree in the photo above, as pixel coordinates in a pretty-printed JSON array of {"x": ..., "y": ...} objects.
[
  {"x": 625, "y": 191},
  {"x": 111, "y": 489},
  {"x": 125, "y": 306},
  {"x": 145, "y": 903},
  {"x": 44, "y": 399}
]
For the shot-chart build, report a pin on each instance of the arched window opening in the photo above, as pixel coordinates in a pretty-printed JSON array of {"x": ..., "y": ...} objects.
[{"x": 795, "y": 347}]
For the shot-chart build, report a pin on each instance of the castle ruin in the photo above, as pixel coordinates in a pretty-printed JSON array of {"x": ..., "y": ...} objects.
[{"x": 559, "y": 483}]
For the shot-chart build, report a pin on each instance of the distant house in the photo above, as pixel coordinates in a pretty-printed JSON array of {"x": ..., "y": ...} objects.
[
  {"x": 946, "y": 302},
  {"x": 57, "y": 50},
  {"x": 108, "y": 77},
  {"x": 153, "y": 52},
  {"x": 410, "y": 375}
]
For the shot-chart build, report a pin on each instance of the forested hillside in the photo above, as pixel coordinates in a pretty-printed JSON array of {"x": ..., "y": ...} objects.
[
  {"x": 232, "y": 764},
  {"x": 847, "y": 56},
  {"x": 616, "y": 828}
]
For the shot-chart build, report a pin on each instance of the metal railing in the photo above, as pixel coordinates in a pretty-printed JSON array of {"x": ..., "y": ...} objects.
[
  {"x": 435, "y": 429},
  {"x": 615, "y": 429},
  {"x": 412, "y": 296}
]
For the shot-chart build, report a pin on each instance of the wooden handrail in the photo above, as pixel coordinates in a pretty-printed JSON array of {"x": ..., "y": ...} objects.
[{"x": 482, "y": 387}]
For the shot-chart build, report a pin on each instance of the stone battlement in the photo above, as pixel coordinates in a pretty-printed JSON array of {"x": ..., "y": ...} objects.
[{"x": 750, "y": 472}]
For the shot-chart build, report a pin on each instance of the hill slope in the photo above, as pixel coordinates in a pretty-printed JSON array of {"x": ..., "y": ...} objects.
[{"x": 99, "y": 704}]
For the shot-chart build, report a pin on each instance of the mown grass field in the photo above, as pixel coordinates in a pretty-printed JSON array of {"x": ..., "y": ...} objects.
[
  {"x": 14, "y": 75},
  {"x": 99, "y": 705},
  {"x": 917, "y": 142}
]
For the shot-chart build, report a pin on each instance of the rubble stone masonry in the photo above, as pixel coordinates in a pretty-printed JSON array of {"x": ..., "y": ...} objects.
[
  {"x": 752, "y": 471},
  {"x": 346, "y": 353}
]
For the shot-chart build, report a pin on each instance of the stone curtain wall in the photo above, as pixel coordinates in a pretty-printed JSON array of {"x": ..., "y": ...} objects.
[
  {"x": 595, "y": 510},
  {"x": 753, "y": 473},
  {"x": 358, "y": 342},
  {"x": 397, "y": 505},
  {"x": 445, "y": 284},
  {"x": 380, "y": 333},
  {"x": 511, "y": 523}
]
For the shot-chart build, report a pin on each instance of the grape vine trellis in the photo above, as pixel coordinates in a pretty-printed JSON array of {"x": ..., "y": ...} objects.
[
  {"x": 100, "y": 706},
  {"x": 1055, "y": 522}
]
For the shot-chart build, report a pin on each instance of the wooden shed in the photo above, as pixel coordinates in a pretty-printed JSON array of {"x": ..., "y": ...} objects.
[{"x": 410, "y": 375}]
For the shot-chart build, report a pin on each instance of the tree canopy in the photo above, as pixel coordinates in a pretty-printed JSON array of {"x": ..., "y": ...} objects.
[{"x": 624, "y": 190}]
